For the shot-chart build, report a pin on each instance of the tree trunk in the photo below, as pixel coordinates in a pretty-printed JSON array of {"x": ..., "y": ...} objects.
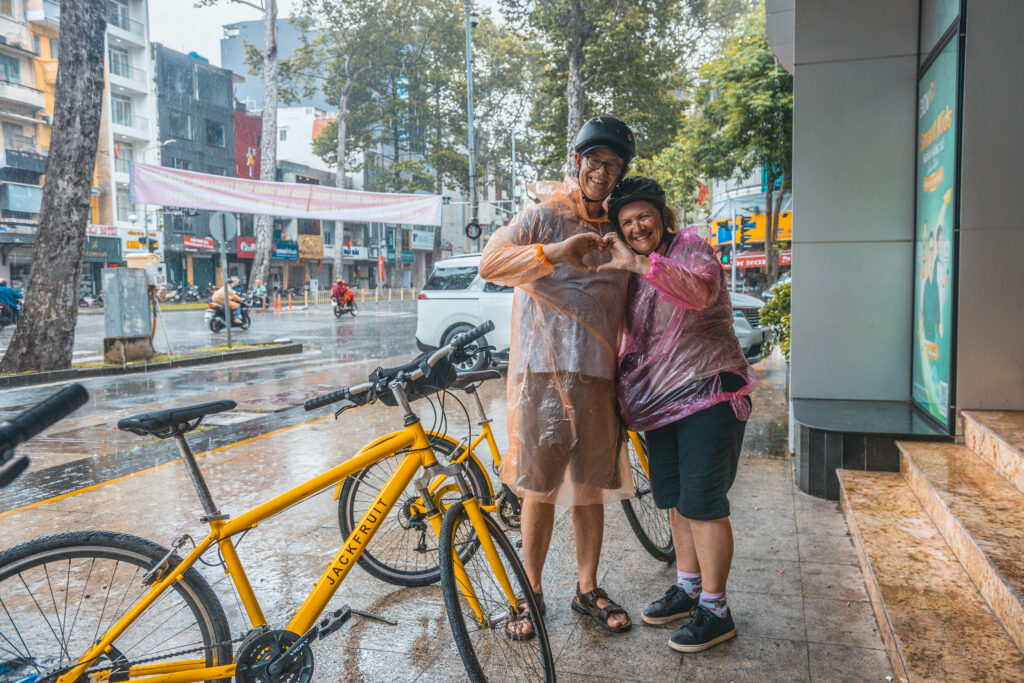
[
  {"x": 339, "y": 226},
  {"x": 268, "y": 142},
  {"x": 575, "y": 90},
  {"x": 46, "y": 332}
]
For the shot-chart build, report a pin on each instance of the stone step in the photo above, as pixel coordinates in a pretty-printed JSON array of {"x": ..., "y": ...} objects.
[
  {"x": 981, "y": 516},
  {"x": 934, "y": 622},
  {"x": 998, "y": 438}
]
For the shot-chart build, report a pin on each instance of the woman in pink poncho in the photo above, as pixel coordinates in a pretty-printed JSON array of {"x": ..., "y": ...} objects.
[{"x": 683, "y": 380}]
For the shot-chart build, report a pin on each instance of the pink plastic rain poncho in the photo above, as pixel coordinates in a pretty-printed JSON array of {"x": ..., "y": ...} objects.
[
  {"x": 678, "y": 338},
  {"x": 565, "y": 439}
]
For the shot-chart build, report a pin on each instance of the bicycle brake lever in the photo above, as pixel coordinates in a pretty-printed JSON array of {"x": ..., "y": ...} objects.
[{"x": 350, "y": 405}]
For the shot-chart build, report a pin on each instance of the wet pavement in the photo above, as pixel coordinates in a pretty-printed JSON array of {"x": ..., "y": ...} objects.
[{"x": 796, "y": 591}]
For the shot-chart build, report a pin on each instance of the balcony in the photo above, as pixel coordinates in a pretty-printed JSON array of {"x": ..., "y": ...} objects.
[
  {"x": 22, "y": 94},
  {"x": 123, "y": 165},
  {"x": 127, "y": 28},
  {"x": 50, "y": 13},
  {"x": 133, "y": 126},
  {"x": 128, "y": 72},
  {"x": 22, "y": 160}
]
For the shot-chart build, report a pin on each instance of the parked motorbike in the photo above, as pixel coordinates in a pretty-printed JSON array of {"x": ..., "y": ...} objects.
[
  {"x": 89, "y": 301},
  {"x": 192, "y": 294},
  {"x": 6, "y": 316},
  {"x": 214, "y": 317},
  {"x": 341, "y": 309}
]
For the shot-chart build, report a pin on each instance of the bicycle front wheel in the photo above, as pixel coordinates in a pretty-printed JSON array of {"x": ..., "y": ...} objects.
[
  {"x": 649, "y": 523},
  {"x": 404, "y": 549},
  {"x": 482, "y": 636},
  {"x": 59, "y": 594}
]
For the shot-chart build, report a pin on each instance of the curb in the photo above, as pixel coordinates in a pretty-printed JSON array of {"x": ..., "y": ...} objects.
[{"x": 31, "y": 378}]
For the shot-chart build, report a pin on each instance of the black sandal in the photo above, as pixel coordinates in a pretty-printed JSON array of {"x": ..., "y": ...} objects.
[
  {"x": 524, "y": 617},
  {"x": 586, "y": 604}
]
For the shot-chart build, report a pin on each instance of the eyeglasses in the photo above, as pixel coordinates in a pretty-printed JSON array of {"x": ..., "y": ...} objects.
[{"x": 593, "y": 163}]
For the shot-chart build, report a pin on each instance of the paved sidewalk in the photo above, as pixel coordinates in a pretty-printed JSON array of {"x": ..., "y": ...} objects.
[{"x": 796, "y": 590}]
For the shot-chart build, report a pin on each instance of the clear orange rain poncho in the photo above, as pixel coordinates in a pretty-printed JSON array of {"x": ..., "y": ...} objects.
[{"x": 565, "y": 439}]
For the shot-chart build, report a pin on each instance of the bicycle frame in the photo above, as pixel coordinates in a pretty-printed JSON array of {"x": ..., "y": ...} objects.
[{"x": 419, "y": 455}]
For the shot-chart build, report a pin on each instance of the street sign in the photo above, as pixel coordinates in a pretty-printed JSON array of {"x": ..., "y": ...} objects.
[{"x": 223, "y": 226}]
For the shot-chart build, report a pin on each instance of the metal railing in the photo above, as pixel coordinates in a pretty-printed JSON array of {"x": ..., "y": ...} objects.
[
  {"x": 126, "y": 24},
  {"x": 129, "y": 72},
  {"x": 138, "y": 122}
]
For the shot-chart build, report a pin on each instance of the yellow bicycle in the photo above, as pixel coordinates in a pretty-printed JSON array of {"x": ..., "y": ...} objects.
[{"x": 96, "y": 605}]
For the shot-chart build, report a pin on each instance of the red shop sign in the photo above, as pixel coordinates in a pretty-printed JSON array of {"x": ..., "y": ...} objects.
[
  {"x": 205, "y": 243},
  {"x": 245, "y": 247}
]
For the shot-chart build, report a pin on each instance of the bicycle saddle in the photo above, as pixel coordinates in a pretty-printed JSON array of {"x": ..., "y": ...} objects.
[
  {"x": 464, "y": 379},
  {"x": 173, "y": 421}
]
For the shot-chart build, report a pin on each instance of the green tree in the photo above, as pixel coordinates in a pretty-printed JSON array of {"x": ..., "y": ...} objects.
[
  {"x": 744, "y": 120},
  {"x": 46, "y": 333}
]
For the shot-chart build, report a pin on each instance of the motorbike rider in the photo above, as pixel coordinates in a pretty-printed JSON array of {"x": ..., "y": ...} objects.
[
  {"x": 233, "y": 299},
  {"x": 10, "y": 297},
  {"x": 259, "y": 291},
  {"x": 341, "y": 293}
]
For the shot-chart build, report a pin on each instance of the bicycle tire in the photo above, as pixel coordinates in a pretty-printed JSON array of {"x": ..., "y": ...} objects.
[
  {"x": 486, "y": 650},
  {"x": 388, "y": 557},
  {"x": 649, "y": 523},
  {"x": 97, "y": 576}
]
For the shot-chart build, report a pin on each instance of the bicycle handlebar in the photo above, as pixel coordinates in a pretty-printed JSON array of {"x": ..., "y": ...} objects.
[
  {"x": 28, "y": 423},
  {"x": 458, "y": 341}
]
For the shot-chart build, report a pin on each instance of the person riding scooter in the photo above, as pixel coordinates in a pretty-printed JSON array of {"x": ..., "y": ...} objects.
[
  {"x": 233, "y": 299},
  {"x": 10, "y": 297},
  {"x": 341, "y": 293},
  {"x": 258, "y": 293}
]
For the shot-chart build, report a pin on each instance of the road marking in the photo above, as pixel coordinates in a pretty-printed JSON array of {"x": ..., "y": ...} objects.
[{"x": 93, "y": 487}]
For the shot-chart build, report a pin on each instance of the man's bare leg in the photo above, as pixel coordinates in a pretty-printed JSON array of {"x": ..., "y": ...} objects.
[
  {"x": 537, "y": 523},
  {"x": 588, "y": 526},
  {"x": 713, "y": 542},
  {"x": 682, "y": 539}
]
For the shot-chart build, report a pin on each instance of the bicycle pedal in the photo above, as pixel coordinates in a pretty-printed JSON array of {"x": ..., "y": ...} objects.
[{"x": 332, "y": 623}]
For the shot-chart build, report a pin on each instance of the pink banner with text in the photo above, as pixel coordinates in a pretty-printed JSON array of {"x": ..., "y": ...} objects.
[{"x": 190, "y": 190}]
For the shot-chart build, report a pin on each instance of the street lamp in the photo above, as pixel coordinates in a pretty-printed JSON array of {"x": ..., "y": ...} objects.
[{"x": 473, "y": 227}]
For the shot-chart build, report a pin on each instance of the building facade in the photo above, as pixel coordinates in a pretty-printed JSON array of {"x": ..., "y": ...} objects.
[{"x": 196, "y": 125}]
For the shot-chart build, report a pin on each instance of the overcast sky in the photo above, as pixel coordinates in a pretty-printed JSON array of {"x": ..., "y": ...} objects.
[{"x": 181, "y": 26}]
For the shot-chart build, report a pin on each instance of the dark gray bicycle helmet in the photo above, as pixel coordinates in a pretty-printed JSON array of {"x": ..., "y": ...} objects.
[
  {"x": 606, "y": 131},
  {"x": 629, "y": 190}
]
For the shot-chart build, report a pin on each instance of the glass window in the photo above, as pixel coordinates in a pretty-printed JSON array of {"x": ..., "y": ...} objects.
[
  {"x": 120, "y": 62},
  {"x": 183, "y": 164},
  {"x": 491, "y": 287},
  {"x": 282, "y": 134},
  {"x": 215, "y": 134},
  {"x": 10, "y": 69},
  {"x": 214, "y": 88},
  {"x": 7, "y": 7},
  {"x": 121, "y": 108},
  {"x": 38, "y": 44},
  {"x": 217, "y": 170},
  {"x": 451, "y": 278},
  {"x": 180, "y": 124},
  {"x": 12, "y": 132},
  {"x": 125, "y": 208},
  {"x": 54, "y": 48},
  {"x": 308, "y": 227},
  {"x": 124, "y": 155},
  {"x": 328, "y": 230}
]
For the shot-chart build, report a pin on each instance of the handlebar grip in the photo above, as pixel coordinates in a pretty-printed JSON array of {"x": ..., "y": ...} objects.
[
  {"x": 326, "y": 399},
  {"x": 27, "y": 424},
  {"x": 471, "y": 336}
]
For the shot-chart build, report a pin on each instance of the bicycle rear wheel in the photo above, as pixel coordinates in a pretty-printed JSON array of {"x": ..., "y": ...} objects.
[
  {"x": 59, "y": 594},
  {"x": 404, "y": 549},
  {"x": 486, "y": 649},
  {"x": 649, "y": 523}
]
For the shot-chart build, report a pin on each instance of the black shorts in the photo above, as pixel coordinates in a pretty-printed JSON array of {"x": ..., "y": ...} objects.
[{"x": 693, "y": 462}]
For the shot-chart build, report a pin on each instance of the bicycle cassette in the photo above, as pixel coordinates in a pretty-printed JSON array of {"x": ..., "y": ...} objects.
[{"x": 260, "y": 650}]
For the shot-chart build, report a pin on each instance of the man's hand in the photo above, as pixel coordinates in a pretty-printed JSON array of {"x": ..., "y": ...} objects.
[
  {"x": 623, "y": 258},
  {"x": 572, "y": 251}
]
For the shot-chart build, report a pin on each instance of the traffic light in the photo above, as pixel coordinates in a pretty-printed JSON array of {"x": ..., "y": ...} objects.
[
  {"x": 724, "y": 231},
  {"x": 725, "y": 253},
  {"x": 746, "y": 227}
]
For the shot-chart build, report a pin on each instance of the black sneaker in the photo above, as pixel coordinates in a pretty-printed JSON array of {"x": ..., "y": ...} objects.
[
  {"x": 704, "y": 630},
  {"x": 675, "y": 605}
]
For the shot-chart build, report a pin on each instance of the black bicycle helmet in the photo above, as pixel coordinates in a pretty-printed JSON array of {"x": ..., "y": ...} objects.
[
  {"x": 606, "y": 131},
  {"x": 629, "y": 190}
]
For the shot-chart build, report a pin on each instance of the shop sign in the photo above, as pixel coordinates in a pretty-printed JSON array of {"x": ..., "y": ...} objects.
[
  {"x": 105, "y": 230},
  {"x": 139, "y": 244},
  {"x": 355, "y": 252},
  {"x": 204, "y": 243},
  {"x": 423, "y": 240},
  {"x": 245, "y": 247},
  {"x": 25, "y": 198},
  {"x": 287, "y": 250},
  {"x": 408, "y": 257},
  {"x": 102, "y": 250},
  {"x": 311, "y": 247}
]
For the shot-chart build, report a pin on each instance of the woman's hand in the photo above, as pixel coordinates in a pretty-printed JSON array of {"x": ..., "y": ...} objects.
[
  {"x": 623, "y": 258},
  {"x": 571, "y": 251}
]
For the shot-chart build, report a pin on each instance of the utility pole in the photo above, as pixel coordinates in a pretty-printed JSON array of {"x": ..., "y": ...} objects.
[{"x": 471, "y": 21}]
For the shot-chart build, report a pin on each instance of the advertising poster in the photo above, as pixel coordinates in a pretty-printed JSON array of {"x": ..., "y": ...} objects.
[{"x": 936, "y": 213}]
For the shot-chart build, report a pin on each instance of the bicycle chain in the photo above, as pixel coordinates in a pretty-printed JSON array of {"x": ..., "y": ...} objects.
[{"x": 56, "y": 674}]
